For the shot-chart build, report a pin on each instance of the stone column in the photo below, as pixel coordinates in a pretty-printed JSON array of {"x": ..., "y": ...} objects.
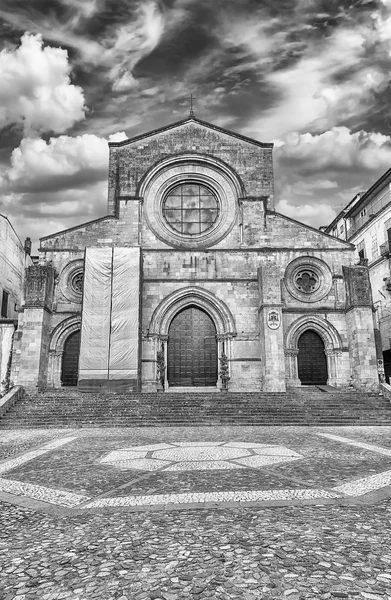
[
  {"x": 271, "y": 332},
  {"x": 360, "y": 330},
  {"x": 35, "y": 333},
  {"x": 292, "y": 377}
]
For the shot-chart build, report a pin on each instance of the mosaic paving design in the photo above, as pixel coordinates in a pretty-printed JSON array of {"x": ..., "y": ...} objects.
[
  {"x": 200, "y": 473},
  {"x": 199, "y": 456}
]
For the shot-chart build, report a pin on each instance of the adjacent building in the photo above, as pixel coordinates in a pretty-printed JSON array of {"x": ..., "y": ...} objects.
[
  {"x": 366, "y": 223},
  {"x": 14, "y": 258},
  {"x": 193, "y": 282}
]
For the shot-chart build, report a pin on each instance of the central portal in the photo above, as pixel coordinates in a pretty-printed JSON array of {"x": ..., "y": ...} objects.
[{"x": 192, "y": 349}]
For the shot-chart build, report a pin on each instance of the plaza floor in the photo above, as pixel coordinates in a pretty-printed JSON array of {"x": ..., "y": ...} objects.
[{"x": 172, "y": 513}]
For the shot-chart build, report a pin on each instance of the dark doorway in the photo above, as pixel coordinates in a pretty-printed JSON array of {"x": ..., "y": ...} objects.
[
  {"x": 192, "y": 349},
  {"x": 387, "y": 365},
  {"x": 312, "y": 362},
  {"x": 70, "y": 360}
]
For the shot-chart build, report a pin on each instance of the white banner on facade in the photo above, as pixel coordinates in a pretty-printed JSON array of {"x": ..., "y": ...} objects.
[
  {"x": 95, "y": 329},
  {"x": 125, "y": 314},
  {"x": 110, "y": 321}
]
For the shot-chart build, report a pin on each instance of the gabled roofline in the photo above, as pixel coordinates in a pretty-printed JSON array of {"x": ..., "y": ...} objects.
[
  {"x": 52, "y": 235},
  {"x": 13, "y": 229},
  {"x": 318, "y": 231},
  {"x": 191, "y": 119},
  {"x": 368, "y": 195}
]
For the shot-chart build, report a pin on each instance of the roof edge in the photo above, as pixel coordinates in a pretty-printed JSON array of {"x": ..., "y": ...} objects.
[
  {"x": 189, "y": 120},
  {"x": 370, "y": 192},
  {"x": 52, "y": 235},
  {"x": 318, "y": 231}
]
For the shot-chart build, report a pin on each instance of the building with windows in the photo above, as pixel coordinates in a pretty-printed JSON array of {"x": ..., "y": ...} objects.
[
  {"x": 14, "y": 257},
  {"x": 193, "y": 281},
  {"x": 366, "y": 223}
]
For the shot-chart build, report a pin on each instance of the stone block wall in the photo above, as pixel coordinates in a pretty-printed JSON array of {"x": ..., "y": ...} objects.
[{"x": 130, "y": 160}]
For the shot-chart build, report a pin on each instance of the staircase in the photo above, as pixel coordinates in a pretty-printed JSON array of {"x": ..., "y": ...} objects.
[{"x": 304, "y": 406}]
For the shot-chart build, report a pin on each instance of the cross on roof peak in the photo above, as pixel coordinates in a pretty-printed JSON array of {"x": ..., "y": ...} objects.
[{"x": 191, "y": 113}]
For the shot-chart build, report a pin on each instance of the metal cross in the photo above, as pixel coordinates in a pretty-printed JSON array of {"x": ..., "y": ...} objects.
[{"x": 191, "y": 114}]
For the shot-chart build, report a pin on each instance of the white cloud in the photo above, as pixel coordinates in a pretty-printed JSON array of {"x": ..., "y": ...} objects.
[
  {"x": 39, "y": 214},
  {"x": 36, "y": 89},
  {"x": 309, "y": 96},
  {"x": 338, "y": 148},
  {"x": 120, "y": 136},
  {"x": 311, "y": 214},
  {"x": 59, "y": 163},
  {"x": 124, "y": 83},
  {"x": 132, "y": 42}
]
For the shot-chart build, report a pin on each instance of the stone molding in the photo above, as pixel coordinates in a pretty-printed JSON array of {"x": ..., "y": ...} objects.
[
  {"x": 327, "y": 331},
  {"x": 62, "y": 331},
  {"x": 192, "y": 296}
]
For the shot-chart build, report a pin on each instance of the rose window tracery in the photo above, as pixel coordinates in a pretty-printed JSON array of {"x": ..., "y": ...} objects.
[
  {"x": 307, "y": 281},
  {"x": 77, "y": 282},
  {"x": 191, "y": 208}
]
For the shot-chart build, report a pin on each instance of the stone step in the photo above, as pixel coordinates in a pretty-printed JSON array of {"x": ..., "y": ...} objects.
[{"x": 64, "y": 408}]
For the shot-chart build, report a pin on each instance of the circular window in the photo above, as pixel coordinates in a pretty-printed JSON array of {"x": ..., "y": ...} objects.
[
  {"x": 71, "y": 280},
  {"x": 76, "y": 282},
  {"x": 190, "y": 208},
  {"x": 307, "y": 281},
  {"x": 190, "y": 201}
]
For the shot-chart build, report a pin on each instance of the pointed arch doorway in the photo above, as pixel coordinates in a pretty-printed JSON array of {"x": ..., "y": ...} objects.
[
  {"x": 70, "y": 360},
  {"x": 192, "y": 349},
  {"x": 311, "y": 360}
]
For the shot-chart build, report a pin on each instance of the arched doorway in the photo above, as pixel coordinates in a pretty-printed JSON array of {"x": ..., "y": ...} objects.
[
  {"x": 70, "y": 360},
  {"x": 192, "y": 349},
  {"x": 312, "y": 362}
]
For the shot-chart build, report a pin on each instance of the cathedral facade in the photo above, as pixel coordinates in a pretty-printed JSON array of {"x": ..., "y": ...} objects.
[{"x": 193, "y": 282}]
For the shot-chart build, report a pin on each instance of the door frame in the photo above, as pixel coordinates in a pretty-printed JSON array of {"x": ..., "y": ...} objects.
[
  {"x": 73, "y": 333},
  {"x": 188, "y": 307},
  {"x": 312, "y": 331},
  {"x": 337, "y": 356}
]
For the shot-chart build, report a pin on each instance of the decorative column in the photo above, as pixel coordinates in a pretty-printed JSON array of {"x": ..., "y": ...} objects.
[
  {"x": 270, "y": 326},
  {"x": 161, "y": 362},
  {"x": 54, "y": 369},
  {"x": 223, "y": 353},
  {"x": 333, "y": 356},
  {"x": 292, "y": 375}
]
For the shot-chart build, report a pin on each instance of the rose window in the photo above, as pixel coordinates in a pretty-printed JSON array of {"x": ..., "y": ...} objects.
[
  {"x": 307, "y": 281},
  {"x": 191, "y": 208},
  {"x": 77, "y": 283}
]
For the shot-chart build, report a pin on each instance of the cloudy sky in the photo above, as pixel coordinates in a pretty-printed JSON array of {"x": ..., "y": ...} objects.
[{"x": 313, "y": 76}]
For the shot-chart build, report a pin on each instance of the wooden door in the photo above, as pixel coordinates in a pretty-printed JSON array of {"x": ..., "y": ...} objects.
[
  {"x": 70, "y": 360},
  {"x": 192, "y": 349},
  {"x": 312, "y": 362}
]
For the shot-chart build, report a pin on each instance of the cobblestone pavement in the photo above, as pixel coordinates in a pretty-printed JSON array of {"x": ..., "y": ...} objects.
[
  {"x": 55, "y": 545},
  {"x": 308, "y": 552}
]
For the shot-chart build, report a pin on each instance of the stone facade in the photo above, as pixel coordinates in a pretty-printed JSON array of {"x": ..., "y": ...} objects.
[
  {"x": 262, "y": 278},
  {"x": 13, "y": 260}
]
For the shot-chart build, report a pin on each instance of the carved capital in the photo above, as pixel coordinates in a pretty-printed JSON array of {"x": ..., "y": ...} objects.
[{"x": 291, "y": 351}]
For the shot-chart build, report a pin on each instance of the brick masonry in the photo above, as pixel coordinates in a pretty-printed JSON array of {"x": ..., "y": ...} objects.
[{"x": 244, "y": 278}]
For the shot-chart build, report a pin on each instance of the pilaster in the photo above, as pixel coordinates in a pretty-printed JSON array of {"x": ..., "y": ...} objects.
[
  {"x": 271, "y": 331},
  {"x": 34, "y": 347},
  {"x": 360, "y": 328}
]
